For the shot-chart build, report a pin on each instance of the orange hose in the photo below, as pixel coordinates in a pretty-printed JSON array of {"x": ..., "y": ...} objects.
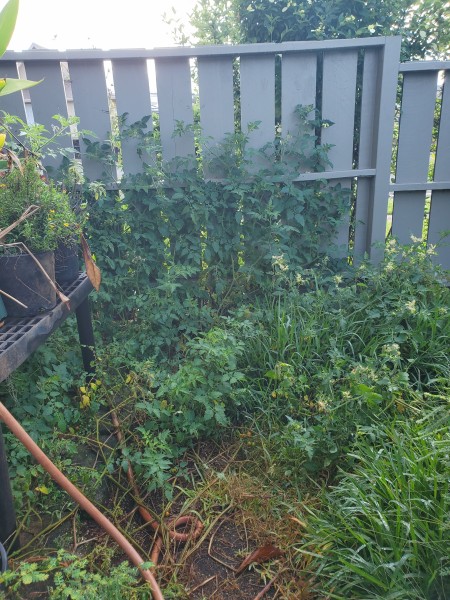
[
  {"x": 196, "y": 524},
  {"x": 20, "y": 433}
]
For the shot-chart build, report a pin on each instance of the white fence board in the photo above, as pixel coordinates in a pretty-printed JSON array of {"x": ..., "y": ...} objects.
[
  {"x": 132, "y": 92},
  {"x": 173, "y": 81}
]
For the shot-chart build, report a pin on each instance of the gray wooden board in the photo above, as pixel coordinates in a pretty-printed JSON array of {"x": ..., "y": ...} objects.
[
  {"x": 48, "y": 99},
  {"x": 173, "y": 81},
  {"x": 215, "y": 79},
  {"x": 12, "y": 103},
  {"x": 188, "y": 52},
  {"x": 439, "y": 227},
  {"x": 298, "y": 87},
  {"x": 413, "y": 155},
  {"x": 132, "y": 91},
  {"x": 384, "y": 119},
  {"x": 90, "y": 99},
  {"x": 416, "y": 125},
  {"x": 366, "y": 158},
  {"x": 338, "y": 106},
  {"x": 440, "y": 200},
  {"x": 442, "y": 163},
  {"x": 364, "y": 192},
  {"x": 408, "y": 215},
  {"x": 257, "y": 77}
]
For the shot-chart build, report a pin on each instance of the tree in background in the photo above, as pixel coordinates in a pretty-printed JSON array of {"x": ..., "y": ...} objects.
[{"x": 424, "y": 24}]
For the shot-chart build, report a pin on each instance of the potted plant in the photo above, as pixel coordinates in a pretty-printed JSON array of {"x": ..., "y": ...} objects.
[
  {"x": 39, "y": 219},
  {"x": 8, "y": 17}
]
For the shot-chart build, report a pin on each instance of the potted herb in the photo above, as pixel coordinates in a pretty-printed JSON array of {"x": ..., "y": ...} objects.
[{"x": 44, "y": 221}]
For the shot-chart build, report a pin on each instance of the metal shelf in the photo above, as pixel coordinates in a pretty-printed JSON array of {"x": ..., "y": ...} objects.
[{"x": 20, "y": 337}]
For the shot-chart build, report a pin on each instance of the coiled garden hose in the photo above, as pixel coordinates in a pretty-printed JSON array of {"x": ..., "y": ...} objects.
[
  {"x": 195, "y": 524},
  {"x": 4, "y": 558},
  {"x": 20, "y": 433}
]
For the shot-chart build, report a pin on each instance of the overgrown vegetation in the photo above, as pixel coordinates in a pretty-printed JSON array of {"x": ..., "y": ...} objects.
[{"x": 229, "y": 321}]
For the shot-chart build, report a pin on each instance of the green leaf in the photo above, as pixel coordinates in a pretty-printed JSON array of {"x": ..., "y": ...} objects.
[
  {"x": 14, "y": 85},
  {"x": 8, "y": 18}
]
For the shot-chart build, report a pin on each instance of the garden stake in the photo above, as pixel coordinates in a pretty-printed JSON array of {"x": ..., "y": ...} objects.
[{"x": 20, "y": 433}]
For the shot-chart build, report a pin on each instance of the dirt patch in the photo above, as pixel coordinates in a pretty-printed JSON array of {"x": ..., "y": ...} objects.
[{"x": 211, "y": 571}]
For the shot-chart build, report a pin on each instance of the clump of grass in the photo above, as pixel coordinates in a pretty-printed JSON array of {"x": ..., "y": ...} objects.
[{"x": 383, "y": 531}]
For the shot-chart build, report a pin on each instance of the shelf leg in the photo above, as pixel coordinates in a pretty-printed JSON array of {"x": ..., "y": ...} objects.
[
  {"x": 7, "y": 511},
  {"x": 86, "y": 336}
]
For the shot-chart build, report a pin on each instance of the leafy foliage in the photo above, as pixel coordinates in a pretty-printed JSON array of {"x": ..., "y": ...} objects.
[
  {"x": 200, "y": 242},
  {"x": 72, "y": 577}
]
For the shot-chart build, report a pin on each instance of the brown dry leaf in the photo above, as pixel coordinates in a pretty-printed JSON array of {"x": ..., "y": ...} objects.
[
  {"x": 260, "y": 555},
  {"x": 93, "y": 272}
]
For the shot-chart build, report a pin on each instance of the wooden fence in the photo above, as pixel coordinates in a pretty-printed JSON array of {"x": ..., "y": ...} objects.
[{"x": 353, "y": 83}]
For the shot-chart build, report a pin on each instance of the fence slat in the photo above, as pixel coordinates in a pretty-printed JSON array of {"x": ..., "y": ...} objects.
[
  {"x": 384, "y": 119},
  {"x": 298, "y": 87},
  {"x": 440, "y": 200},
  {"x": 43, "y": 110},
  {"x": 132, "y": 93},
  {"x": 338, "y": 106},
  {"x": 13, "y": 103},
  {"x": 173, "y": 81},
  {"x": 258, "y": 98},
  {"x": 366, "y": 159},
  {"x": 215, "y": 77},
  {"x": 90, "y": 99},
  {"x": 413, "y": 156}
]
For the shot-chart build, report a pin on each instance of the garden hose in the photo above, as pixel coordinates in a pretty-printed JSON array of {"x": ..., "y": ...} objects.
[
  {"x": 20, "y": 433},
  {"x": 4, "y": 558},
  {"x": 195, "y": 524}
]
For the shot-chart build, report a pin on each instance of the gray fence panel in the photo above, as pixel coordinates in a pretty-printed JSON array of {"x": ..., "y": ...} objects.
[
  {"x": 440, "y": 200},
  {"x": 366, "y": 159},
  {"x": 338, "y": 106},
  {"x": 48, "y": 99},
  {"x": 413, "y": 156},
  {"x": 215, "y": 78},
  {"x": 90, "y": 99},
  {"x": 173, "y": 81},
  {"x": 13, "y": 103},
  {"x": 258, "y": 98},
  {"x": 132, "y": 93}
]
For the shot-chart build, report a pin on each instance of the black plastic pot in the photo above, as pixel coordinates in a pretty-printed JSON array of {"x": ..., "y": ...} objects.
[
  {"x": 21, "y": 278},
  {"x": 66, "y": 263}
]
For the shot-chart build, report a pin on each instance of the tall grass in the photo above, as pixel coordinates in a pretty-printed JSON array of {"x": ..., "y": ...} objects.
[
  {"x": 384, "y": 531},
  {"x": 337, "y": 353}
]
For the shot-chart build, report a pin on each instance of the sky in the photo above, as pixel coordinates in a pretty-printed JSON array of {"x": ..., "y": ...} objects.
[{"x": 106, "y": 24}]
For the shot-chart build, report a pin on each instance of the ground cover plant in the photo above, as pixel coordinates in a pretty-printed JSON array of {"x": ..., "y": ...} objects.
[{"x": 286, "y": 397}]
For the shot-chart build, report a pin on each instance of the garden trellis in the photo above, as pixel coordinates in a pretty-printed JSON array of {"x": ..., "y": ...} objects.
[{"x": 359, "y": 85}]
